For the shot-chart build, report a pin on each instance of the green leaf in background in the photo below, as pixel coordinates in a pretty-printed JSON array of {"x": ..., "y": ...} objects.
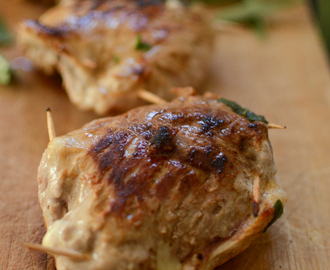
[
  {"x": 254, "y": 12},
  {"x": 323, "y": 12},
  {"x": 140, "y": 45},
  {"x": 5, "y": 39},
  {"x": 5, "y": 74},
  {"x": 5, "y": 36},
  {"x": 247, "y": 9}
]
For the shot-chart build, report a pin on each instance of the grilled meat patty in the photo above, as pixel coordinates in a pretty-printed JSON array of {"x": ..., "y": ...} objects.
[
  {"x": 163, "y": 187},
  {"x": 107, "y": 50}
]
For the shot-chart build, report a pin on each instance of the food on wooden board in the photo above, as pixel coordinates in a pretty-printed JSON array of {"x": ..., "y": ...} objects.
[
  {"x": 107, "y": 50},
  {"x": 183, "y": 185}
]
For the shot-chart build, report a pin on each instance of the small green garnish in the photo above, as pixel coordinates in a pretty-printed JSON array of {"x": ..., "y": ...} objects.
[
  {"x": 252, "y": 13},
  {"x": 243, "y": 111},
  {"x": 278, "y": 211},
  {"x": 140, "y": 45},
  {"x": 5, "y": 74},
  {"x": 115, "y": 59},
  {"x": 5, "y": 39}
]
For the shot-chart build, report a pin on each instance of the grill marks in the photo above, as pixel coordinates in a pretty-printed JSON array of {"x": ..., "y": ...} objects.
[
  {"x": 104, "y": 142},
  {"x": 109, "y": 153},
  {"x": 157, "y": 164},
  {"x": 84, "y": 12},
  {"x": 208, "y": 123},
  {"x": 208, "y": 159},
  {"x": 110, "y": 150},
  {"x": 137, "y": 184},
  {"x": 162, "y": 142},
  {"x": 58, "y": 32}
]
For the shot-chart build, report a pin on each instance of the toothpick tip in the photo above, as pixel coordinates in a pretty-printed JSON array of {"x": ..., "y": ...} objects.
[
  {"x": 256, "y": 196},
  {"x": 150, "y": 97},
  {"x": 50, "y": 125},
  {"x": 58, "y": 251},
  {"x": 275, "y": 126}
]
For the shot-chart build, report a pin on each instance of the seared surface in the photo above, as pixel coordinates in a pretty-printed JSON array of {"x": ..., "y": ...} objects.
[
  {"x": 106, "y": 50},
  {"x": 160, "y": 187}
]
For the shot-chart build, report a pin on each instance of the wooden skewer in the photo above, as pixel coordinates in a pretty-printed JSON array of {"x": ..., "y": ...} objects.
[
  {"x": 148, "y": 96},
  {"x": 50, "y": 125},
  {"x": 256, "y": 195},
  {"x": 56, "y": 251},
  {"x": 270, "y": 125}
]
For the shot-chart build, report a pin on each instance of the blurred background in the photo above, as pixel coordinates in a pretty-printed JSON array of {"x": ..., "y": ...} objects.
[
  {"x": 270, "y": 56},
  {"x": 251, "y": 14}
]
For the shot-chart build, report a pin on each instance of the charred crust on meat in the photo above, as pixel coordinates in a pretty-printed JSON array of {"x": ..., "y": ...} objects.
[
  {"x": 129, "y": 185},
  {"x": 219, "y": 162},
  {"x": 176, "y": 117},
  {"x": 201, "y": 184},
  {"x": 162, "y": 141},
  {"x": 252, "y": 125},
  {"x": 99, "y": 9},
  {"x": 156, "y": 149},
  {"x": 115, "y": 153},
  {"x": 42, "y": 29},
  {"x": 148, "y": 132},
  {"x": 109, "y": 149},
  {"x": 103, "y": 143},
  {"x": 144, "y": 3},
  {"x": 244, "y": 144},
  {"x": 206, "y": 160},
  {"x": 209, "y": 122}
]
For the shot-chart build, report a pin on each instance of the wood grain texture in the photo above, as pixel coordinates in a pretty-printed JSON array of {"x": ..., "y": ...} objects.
[{"x": 284, "y": 77}]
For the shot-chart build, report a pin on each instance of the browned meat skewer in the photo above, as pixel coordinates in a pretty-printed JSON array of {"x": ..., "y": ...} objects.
[
  {"x": 160, "y": 187},
  {"x": 107, "y": 50}
]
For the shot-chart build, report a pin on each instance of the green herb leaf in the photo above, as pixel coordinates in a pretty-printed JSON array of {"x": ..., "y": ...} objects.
[
  {"x": 322, "y": 8},
  {"x": 5, "y": 36},
  {"x": 5, "y": 74},
  {"x": 115, "y": 59},
  {"x": 278, "y": 211},
  {"x": 243, "y": 111},
  {"x": 254, "y": 12},
  {"x": 140, "y": 45}
]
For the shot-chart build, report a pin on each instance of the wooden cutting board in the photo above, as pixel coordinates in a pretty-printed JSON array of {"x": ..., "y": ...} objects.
[{"x": 284, "y": 77}]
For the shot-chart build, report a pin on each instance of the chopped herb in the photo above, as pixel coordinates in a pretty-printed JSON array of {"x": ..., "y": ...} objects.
[
  {"x": 243, "y": 111},
  {"x": 115, "y": 59},
  {"x": 5, "y": 75},
  {"x": 278, "y": 211},
  {"x": 140, "y": 45}
]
